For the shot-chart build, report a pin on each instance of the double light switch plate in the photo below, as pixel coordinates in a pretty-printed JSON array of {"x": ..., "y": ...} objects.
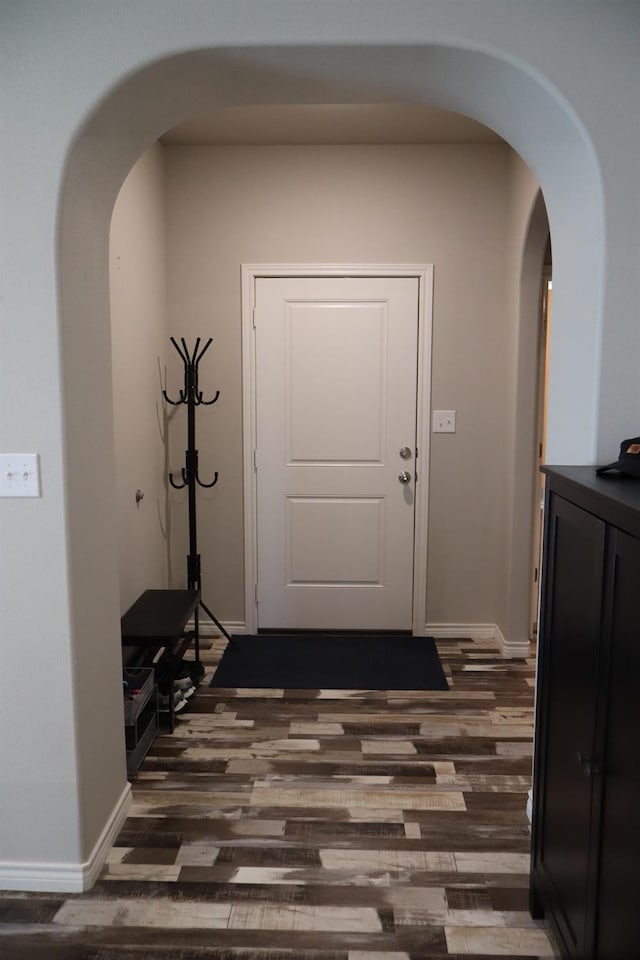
[{"x": 19, "y": 475}]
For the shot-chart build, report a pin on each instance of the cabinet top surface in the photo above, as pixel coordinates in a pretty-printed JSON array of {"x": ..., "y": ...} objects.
[{"x": 614, "y": 496}]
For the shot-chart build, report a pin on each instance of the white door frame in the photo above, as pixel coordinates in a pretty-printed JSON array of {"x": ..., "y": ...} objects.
[{"x": 424, "y": 274}]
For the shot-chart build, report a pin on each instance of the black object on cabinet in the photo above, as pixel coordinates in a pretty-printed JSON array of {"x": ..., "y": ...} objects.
[{"x": 585, "y": 833}]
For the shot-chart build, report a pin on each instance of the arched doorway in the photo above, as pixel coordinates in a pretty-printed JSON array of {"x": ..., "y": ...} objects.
[{"x": 131, "y": 116}]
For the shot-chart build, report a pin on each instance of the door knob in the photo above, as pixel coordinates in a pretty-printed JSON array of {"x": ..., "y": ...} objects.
[
  {"x": 404, "y": 477},
  {"x": 405, "y": 453}
]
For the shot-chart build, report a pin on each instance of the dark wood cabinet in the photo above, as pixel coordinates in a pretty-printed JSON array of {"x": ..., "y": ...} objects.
[
  {"x": 618, "y": 913},
  {"x": 585, "y": 835}
]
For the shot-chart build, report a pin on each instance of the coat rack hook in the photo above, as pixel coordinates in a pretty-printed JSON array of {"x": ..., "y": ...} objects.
[
  {"x": 197, "y": 358},
  {"x": 184, "y": 356},
  {"x": 212, "y": 484},
  {"x": 174, "y": 403}
]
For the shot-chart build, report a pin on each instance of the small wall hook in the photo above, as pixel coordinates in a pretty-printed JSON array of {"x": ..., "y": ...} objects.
[{"x": 139, "y": 497}]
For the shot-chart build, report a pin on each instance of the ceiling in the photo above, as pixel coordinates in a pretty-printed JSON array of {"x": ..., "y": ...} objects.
[{"x": 328, "y": 124}]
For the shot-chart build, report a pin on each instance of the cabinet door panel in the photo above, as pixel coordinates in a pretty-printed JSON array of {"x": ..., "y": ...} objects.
[
  {"x": 618, "y": 917},
  {"x": 571, "y": 625}
]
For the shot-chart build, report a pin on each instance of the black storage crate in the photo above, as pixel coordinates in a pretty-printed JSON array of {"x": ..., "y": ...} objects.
[{"x": 140, "y": 715}]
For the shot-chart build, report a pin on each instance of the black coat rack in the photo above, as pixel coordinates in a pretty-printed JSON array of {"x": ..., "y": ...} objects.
[{"x": 192, "y": 396}]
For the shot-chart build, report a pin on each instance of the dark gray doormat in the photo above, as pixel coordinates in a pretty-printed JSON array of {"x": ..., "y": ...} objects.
[{"x": 332, "y": 661}]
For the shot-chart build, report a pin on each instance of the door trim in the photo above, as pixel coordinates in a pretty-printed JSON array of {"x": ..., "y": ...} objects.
[{"x": 424, "y": 274}]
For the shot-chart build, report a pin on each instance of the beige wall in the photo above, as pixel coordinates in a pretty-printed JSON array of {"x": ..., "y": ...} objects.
[
  {"x": 139, "y": 348},
  {"x": 87, "y": 88},
  {"x": 440, "y": 204}
]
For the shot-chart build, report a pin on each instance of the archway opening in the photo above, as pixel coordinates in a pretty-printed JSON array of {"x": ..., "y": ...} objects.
[{"x": 502, "y": 95}]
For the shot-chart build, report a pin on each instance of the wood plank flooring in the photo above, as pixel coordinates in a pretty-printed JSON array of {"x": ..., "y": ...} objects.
[{"x": 318, "y": 825}]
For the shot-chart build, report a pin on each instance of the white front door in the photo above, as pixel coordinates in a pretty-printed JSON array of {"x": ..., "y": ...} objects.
[{"x": 336, "y": 374}]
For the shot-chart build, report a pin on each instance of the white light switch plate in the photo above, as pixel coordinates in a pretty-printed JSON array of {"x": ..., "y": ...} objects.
[
  {"x": 444, "y": 421},
  {"x": 19, "y": 475}
]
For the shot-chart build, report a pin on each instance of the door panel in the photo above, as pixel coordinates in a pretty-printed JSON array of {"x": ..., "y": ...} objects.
[
  {"x": 618, "y": 920},
  {"x": 347, "y": 536},
  {"x": 336, "y": 371},
  {"x": 572, "y": 625},
  {"x": 335, "y": 374}
]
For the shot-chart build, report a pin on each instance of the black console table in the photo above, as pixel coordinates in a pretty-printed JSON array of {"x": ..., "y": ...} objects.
[{"x": 156, "y": 622}]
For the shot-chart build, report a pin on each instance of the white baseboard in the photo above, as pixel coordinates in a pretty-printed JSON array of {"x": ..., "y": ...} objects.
[
  {"x": 530, "y": 806},
  {"x": 68, "y": 877},
  {"x": 479, "y": 631},
  {"x": 454, "y": 631},
  {"x": 209, "y": 629},
  {"x": 440, "y": 631},
  {"x": 512, "y": 649}
]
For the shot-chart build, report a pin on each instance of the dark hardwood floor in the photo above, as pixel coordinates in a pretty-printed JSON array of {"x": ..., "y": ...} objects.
[{"x": 318, "y": 825}]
